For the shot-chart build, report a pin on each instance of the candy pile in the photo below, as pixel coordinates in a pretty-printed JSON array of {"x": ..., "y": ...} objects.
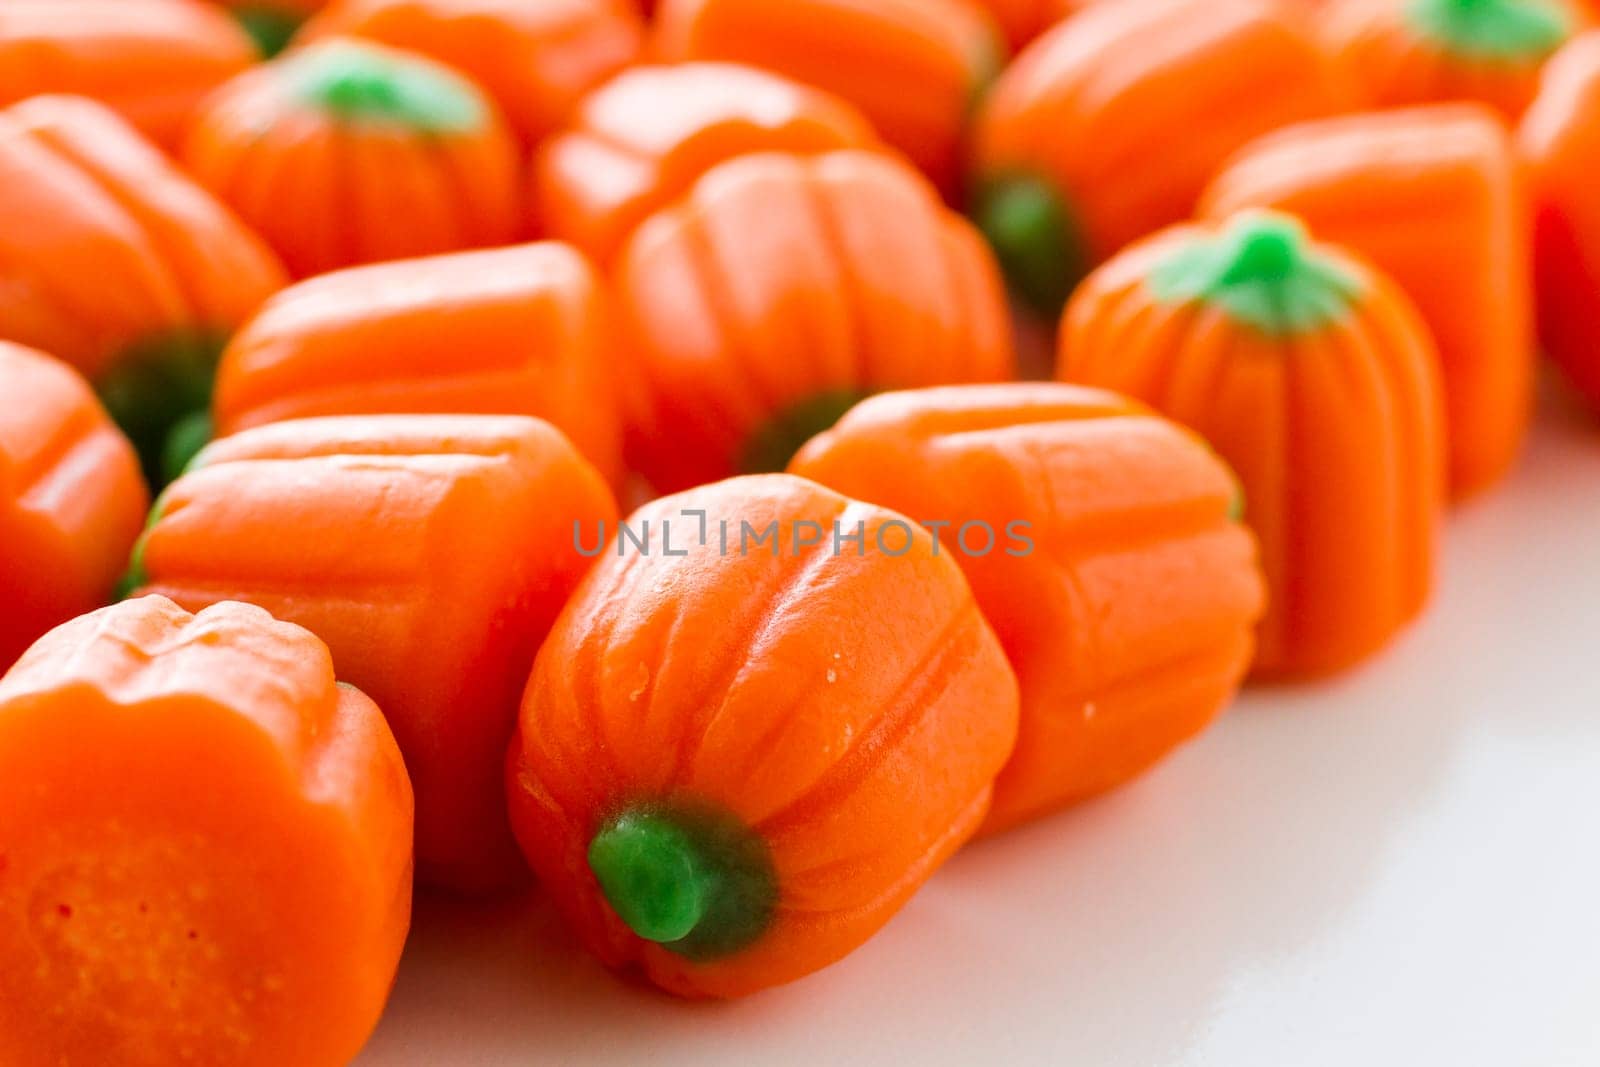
[{"x": 610, "y": 448}]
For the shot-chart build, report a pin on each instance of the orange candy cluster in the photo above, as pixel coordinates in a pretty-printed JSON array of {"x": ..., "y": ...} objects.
[{"x": 992, "y": 388}]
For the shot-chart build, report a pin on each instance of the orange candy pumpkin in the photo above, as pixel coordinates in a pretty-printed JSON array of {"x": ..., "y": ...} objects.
[
  {"x": 1424, "y": 51},
  {"x": 207, "y": 846},
  {"x": 114, "y": 261},
  {"x": 1314, "y": 376},
  {"x": 431, "y": 553},
  {"x": 733, "y": 765},
  {"x": 536, "y": 59},
  {"x": 347, "y": 152},
  {"x": 71, "y": 499},
  {"x": 1103, "y": 545},
  {"x": 913, "y": 67},
  {"x": 779, "y": 292},
  {"x": 1560, "y": 141},
  {"x": 1107, "y": 127},
  {"x": 151, "y": 61},
  {"x": 514, "y": 331},
  {"x": 1433, "y": 198},
  {"x": 640, "y": 141}
]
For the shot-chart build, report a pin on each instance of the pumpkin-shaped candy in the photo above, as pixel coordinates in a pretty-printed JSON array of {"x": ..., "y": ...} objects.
[
  {"x": 783, "y": 289},
  {"x": 1107, "y": 127},
  {"x": 512, "y": 331},
  {"x": 747, "y": 744},
  {"x": 207, "y": 846},
  {"x": 1432, "y": 197},
  {"x": 152, "y": 61},
  {"x": 641, "y": 140},
  {"x": 913, "y": 67},
  {"x": 116, "y": 262},
  {"x": 347, "y": 152},
  {"x": 71, "y": 499},
  {"x": 1314, "y": 376},
  {"x": 1425, "y": 51},
  {"x": 1560, "y": 141},
  {"x": 430, "y": 552},
  {"x": 1104, "y": 547},
  {"x": 536, "y": 59}
]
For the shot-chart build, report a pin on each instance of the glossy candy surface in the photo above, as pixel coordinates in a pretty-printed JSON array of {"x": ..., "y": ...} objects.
[
  {"x": 1402, "y": 52},
  {"x": 536, "y": 59},
  {"x": 151, "y": 61},
  {"x": 1107, "y": 127},
  {"x": 869, "y": 52},
  {"x": 1315, "y": 378},
  {"x": 1103, "y": 545},
  {"x": 640, "y": 141},
  {"x": 1560, "y": 142},
  {"x": 348, "y": 152},
  {"x": 71, "y": 499},
  {"x": 1432, "y": 196},
  {"x": 782, "y": 289},
  {"x": 431, "y": 554},
  {"x": 116, "y": 262},
  {"x": 513, "y": 331},
  {"x": 733, "y": 766}
]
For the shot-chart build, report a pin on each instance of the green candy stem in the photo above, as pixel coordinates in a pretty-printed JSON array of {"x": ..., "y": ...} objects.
[
  {"x": 155, "y": 386},
  {"x": 1035, "y": 239},
  {"x": 270, "y": 28},
  {"x": 653, "y": 875},
  {"x": 1525, "y": 30},
  {"x": 1261, "y": 270},
  {"x": 1268, "y": 250},
  {"x": 188, "y": 437},
  {"x": 136, "y": 576},
  {"x": 360, "y": 83},
  {"x": 133, "y": 579},
  {"x": 700, "y": 884},
  {"x": 772, "y": 446}
]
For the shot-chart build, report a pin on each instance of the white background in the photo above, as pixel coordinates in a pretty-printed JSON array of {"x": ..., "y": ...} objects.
[{"x": 1398, "y": 867}]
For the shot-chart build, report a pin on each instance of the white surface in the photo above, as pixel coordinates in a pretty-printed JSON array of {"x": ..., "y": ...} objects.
[{"x": 1400, "y": 867}]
